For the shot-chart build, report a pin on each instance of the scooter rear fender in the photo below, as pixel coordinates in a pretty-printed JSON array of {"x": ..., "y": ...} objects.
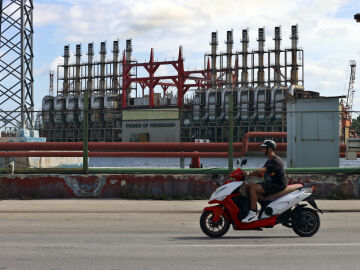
[{"x": 218, "y": 211}]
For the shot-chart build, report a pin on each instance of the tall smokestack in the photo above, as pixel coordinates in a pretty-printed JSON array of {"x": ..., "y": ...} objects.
[
  {"x": 277, "y": 70},
  {"x": 128, "y": 51},
  {"x": 66, "y": 84},
  {"x": 229, "y": 45},
  {"x": 51, "y": 85},
  {"x": 102, "y": 66},
  {"x": 245, "y": 46},
  {"x": 294, "y": 47},
  {"x": 128, "y": 55},
  {"x": 78, "y": 69},
  {"x": 115, "y": 65},
  {"x": 261, "y": 50},
  {"x": 90, "y": 66},
  {"x": 213, "y": 43}
]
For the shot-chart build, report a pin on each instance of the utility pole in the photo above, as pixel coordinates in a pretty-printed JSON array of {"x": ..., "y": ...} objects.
[
  {"x": 16, "y": 62},
  {"x": 357, "y": 17}
]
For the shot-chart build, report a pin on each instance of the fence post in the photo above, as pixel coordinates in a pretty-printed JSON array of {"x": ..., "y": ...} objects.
[
  {"x": 231, "y": 133},
  {"x": 85, "y": 131}
]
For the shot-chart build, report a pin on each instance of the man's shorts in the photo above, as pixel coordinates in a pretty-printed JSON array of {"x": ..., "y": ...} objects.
[{"x": 271, "y": 188}]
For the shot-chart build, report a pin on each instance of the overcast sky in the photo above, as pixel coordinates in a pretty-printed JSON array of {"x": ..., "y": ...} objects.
[{"x": 328, "y": 33}]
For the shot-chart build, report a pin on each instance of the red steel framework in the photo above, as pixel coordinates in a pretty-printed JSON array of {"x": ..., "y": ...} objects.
[{"x": 178, "y": 81}]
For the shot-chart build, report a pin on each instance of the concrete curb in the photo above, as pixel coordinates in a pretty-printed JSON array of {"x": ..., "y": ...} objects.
[{"x": 341, "y": 211}]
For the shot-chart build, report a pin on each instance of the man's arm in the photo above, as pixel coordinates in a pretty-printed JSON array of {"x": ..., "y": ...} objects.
[{"x": 259, "y": 172}]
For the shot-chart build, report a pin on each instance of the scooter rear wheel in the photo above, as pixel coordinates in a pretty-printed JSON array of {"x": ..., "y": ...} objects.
[
  {"x": 305, "y": 222},
  {"x": 213, "y": 229}
]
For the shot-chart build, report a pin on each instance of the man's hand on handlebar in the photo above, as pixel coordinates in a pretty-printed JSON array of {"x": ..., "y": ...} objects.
[{"x": 257, "y": 173}]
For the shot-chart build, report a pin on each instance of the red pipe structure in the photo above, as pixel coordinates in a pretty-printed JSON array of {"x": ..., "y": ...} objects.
[
  {"x": 129, "y": 147},
  {"x": 152, "y": 81},
  {"x": 245, "y": 140},
  {"x": 133, "y": 149},
  {"x": 124, "y": 154},
  {"x": 115, "y": 154}
]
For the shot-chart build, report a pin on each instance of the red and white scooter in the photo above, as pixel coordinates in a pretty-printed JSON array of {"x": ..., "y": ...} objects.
[{"x": 280, "y": 208}]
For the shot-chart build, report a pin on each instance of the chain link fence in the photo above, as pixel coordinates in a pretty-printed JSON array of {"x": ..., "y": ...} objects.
[{"x": 170, "y": 137}]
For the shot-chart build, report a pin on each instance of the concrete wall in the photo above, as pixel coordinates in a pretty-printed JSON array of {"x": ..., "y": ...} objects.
[{"x": 340, "y": 186}]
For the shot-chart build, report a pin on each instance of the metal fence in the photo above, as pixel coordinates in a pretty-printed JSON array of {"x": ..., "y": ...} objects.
[{"x": 142, "y": 139}]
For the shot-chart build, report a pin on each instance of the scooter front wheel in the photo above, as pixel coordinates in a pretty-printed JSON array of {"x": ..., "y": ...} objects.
[{"x": 213, "y": 229}]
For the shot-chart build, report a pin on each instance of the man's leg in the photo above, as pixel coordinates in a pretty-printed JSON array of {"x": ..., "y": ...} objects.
[{"x": 254, "y": 191}]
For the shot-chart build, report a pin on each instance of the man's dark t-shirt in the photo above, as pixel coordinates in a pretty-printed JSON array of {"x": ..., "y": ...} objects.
[{"x": 275, "y": 175}]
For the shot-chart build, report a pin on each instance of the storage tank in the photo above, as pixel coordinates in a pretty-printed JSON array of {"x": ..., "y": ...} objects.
[
  {"x": 280, "y": 104},
  {"x": 262, "y": 103},
  {"x": 60, "y": 110},
  {"x": 246, "y": 105},
  {"x": 224, "y": 107},
  {"x": 141, "y": 102},
  {"x": 212, "y": 106},
  {"x": 97, "y": 106},
  {"x": 81, "y": 107},
  {"x": 196, "y": 108},
  {"x": 112, "y": 103},
  {"x": 72, "y": 109},
  {"x": 48, "y": 110}
]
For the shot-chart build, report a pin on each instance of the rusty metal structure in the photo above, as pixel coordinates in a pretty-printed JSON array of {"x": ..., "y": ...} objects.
[{"x": 259, "y": 79}]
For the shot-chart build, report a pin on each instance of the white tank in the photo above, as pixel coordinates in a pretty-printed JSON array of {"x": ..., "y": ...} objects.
[
  {"x": 72, "y": 109},
  {"x": 48, "y": 110},
  {"x": 97, "y": 106},
  {"x": 173, "y": 100},
  {"x": 60, "y": 107},
  {"x": 244, "y": 106},
  {"x": 280, "y": 105},
  {"x": 48, "y": 103},
  {"x": 81, "y": 107},
  {"x": 261, "y": 103},
  {"x": 164, "y": 101},
  {"x": 141, "y": 102},
  {"x": 196, "y": 108},
  {"x": 226, "y": 104},
  {"x": 212, "y": 106},
  {"x": 112, "y": 104},
  {"x": 72, "y": 102}
]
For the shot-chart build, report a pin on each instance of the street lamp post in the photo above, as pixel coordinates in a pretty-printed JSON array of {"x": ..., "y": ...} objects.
[{"x": 357, "y": 17}]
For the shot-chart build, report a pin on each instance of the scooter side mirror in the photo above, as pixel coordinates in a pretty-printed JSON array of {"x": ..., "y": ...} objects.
[{"x": 243, "y": 162}]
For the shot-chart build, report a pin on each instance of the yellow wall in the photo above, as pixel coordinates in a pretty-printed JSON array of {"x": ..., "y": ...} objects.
[{"x": 150, "y": 114}]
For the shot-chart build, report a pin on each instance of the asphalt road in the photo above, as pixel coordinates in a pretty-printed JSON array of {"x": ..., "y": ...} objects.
[{"x": 144, "y": 235}]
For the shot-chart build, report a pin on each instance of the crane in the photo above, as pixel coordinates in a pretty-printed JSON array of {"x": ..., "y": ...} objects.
[
  {"x": 346, "y": 105},
  {"x": 351, "y": 90}
]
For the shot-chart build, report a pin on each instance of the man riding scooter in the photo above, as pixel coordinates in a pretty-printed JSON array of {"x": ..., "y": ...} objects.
[{"x": 274, "y": 176}]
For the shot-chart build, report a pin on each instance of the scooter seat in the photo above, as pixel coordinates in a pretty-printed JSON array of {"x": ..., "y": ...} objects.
[{"x": 287, "y": 190}]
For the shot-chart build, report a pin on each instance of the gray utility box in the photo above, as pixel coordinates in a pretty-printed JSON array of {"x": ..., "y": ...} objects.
[
  {"x": 352, "y": 147},
  {"x": 313, "y": 132}
]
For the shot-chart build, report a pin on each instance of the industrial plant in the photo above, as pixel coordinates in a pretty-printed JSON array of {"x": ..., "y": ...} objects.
[{"x": 121, "y": 111}]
